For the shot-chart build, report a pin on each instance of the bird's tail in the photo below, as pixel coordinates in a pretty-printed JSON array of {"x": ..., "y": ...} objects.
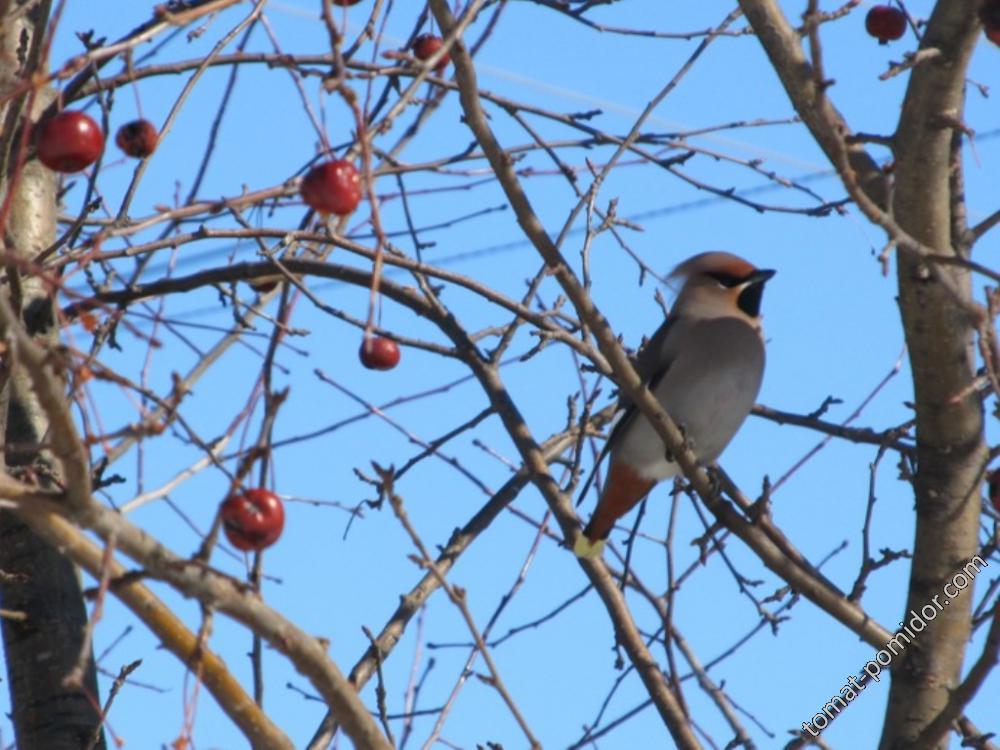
[
  {"x": 586, "y": 549},
  {"x": 624, "y": 488}
]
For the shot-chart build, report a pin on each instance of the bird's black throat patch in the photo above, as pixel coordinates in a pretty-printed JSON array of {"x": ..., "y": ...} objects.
[{"x": 750, "y": 298}]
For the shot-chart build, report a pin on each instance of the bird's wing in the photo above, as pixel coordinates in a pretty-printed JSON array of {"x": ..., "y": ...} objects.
[
  {"x": 652, "y": 364},
  {"x": 655, "y": 358}
]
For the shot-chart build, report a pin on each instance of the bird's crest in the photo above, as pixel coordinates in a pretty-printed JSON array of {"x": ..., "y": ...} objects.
[{"x": 712, "y": 262}]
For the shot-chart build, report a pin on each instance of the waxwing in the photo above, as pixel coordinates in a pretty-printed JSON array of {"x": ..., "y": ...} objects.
[{"x": 704, "y": 365}]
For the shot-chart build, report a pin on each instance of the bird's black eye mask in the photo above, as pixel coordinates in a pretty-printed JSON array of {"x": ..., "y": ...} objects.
[{"x": 727, "y": 279}]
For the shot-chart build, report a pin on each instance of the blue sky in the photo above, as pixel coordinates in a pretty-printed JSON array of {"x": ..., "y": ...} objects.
[{"x": 830, "y": 316}]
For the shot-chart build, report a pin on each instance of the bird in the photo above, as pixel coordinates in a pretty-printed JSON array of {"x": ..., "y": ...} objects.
[{"x": 704, "y": 365}]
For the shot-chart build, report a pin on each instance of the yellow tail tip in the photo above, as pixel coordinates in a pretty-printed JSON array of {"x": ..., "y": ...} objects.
[{"x": 586, "y": 549}]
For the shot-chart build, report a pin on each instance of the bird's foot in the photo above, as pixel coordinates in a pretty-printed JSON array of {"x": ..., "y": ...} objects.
[
  {"x": 714, "y": 479},
  {"x": 668, "y": 454}
]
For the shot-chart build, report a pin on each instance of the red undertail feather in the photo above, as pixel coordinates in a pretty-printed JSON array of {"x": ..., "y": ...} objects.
[{"x": 622, "y": 491}]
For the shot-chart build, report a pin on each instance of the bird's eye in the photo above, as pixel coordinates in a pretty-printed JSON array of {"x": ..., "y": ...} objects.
[{"x": 726, "y": 280}]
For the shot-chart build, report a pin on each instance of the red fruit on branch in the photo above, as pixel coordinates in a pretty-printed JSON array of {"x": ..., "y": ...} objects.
[
  {"x": 253, "y": 519},
  {"x": 69, "y": 141},
  {"x": 137, "y": 138},
  {"x": 333, "y": 187},
  {"x": 379, "y": 353},
  {"x": 426, "y": 46},
  {"x": 886, "y": 23},
  {"x": 989, "y": 14},
  {"x": 993, "y": 487},
  {"x": 264, "y": 285}
]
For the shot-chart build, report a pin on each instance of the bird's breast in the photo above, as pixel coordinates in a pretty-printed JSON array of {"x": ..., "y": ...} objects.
[{"x": 714, "y": 376}]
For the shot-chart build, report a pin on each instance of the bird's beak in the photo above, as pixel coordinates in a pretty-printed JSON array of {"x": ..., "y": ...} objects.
[{"x": 760, "y": 276}]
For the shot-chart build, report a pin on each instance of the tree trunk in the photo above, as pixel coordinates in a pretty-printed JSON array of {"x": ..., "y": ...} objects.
[
  {"x": 951, "y": 447},
  {"x": 45, "y": 643}
]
